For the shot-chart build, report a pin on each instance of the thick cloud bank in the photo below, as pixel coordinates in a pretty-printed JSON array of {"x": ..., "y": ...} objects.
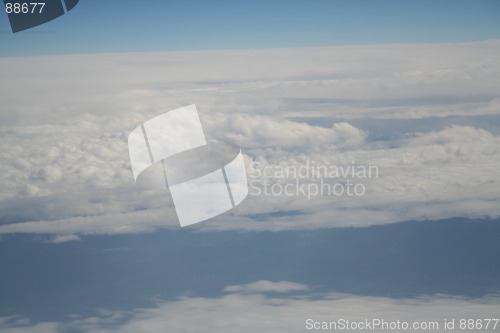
[{"x": 65, "y": 121}]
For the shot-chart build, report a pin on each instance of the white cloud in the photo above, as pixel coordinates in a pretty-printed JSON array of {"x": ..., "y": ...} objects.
[
  {"x": 241, "y": 311},
  {"x": 267, "y": 286},
  {"x": 254, "y": 131},
  {"x": 64, "y": 238},
  {"x": 38, "y": 328},
  {"x": 63, "y": 150}
]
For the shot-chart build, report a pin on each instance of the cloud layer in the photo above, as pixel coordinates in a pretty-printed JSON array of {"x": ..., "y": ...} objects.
[
  {"x": 266, "y": 306},
  {"x": 65, "y": 121}
]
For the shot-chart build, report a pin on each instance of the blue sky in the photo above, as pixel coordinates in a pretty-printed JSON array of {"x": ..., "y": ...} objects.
[{"x": 133, "y": 26}]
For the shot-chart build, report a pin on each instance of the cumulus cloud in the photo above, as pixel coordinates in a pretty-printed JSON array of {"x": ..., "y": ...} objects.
[
  {"x": 65, "y": 167},
  {"x": 258, "y": 311},
  {"x": 254, "y": 131}
]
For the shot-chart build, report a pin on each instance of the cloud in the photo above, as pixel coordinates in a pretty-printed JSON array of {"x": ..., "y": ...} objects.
[
  {"x": 253, "y": 131},
  {"x": 267, "y": 286},
  {"x": 64, "y": 238},
  {"x": 65, "y": 167},
  {"x": 256, "y": 311},
  {"x": 38, "y": 328}
]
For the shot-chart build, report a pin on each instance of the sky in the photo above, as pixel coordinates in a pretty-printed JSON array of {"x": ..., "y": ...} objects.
[
  {"x": 409, "y": 88},
  {"x": 130, "y": 26}
]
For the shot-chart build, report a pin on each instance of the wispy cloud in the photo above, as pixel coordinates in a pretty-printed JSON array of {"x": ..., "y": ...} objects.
[
  {"x": 267, "y": 286},
  {"x": 64, "y": 238}
]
